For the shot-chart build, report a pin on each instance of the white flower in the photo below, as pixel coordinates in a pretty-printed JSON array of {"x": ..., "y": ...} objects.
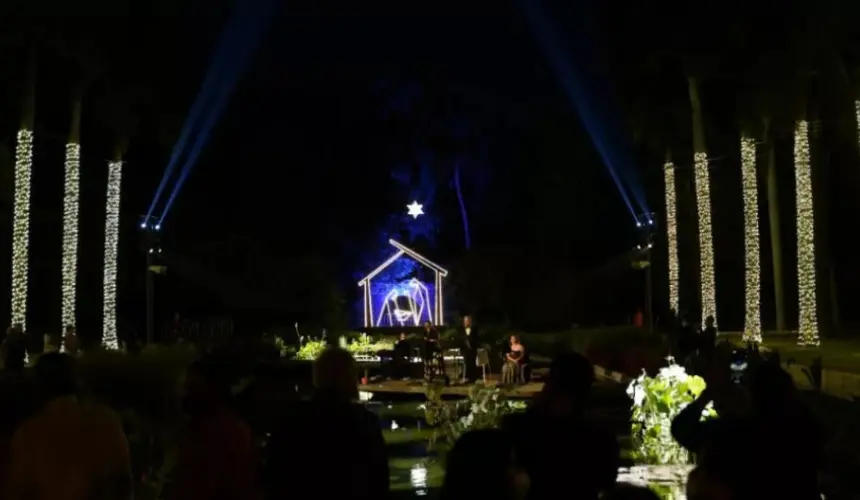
[
  {"x": 638, "y": 396},
  {"x": 673, "y": 373},
  {"x": 394, "y": 425}
]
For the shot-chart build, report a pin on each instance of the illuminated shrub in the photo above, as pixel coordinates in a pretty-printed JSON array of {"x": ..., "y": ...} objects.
[
  {"x": 311, "y": 350},
  {"x": 365, "y": 345},
  {"x": 656, "y": 402}
]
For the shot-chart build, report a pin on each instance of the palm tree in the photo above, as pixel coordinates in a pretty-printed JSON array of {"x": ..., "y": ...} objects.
[
  {"x": 21, "y": 210},
  {"x": 702, "y": 179},
  {"x": 806, "y": 281},
  {"x": 749, "y": 178},
  {"x": 71, "y": 203},
  {"x": 671, "y": 231},
  {"x": 112, "y": 210}
]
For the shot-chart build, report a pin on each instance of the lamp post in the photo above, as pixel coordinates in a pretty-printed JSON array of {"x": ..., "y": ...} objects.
[
  {"x": 150, "y": 244},
  {"x": 647, "y": 225}
]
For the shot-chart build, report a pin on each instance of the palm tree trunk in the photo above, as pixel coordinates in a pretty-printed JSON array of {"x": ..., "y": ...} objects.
[
  {"x": 820, "y": 171},
  {"x": 112, "y": 211},
  {"x": 671, "y": 232},
  {"x": 703, "y": 200},
  {"x": 71, "y": 204},
  {"x": 21, "y": 210},
  {"x": 749, "y": 178},
  {"x": 807, "y": 326},
  {"x": 775, "y": 230}
]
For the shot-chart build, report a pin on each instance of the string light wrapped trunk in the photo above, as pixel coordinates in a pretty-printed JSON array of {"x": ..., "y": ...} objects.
[
  {"x": 71, "y": 204},
  {"x": 807, "y": 326},
  {"x": 672, "y": 235},
  {"x": 112, "y": 210},
  {"x": 752, "y": 268},
  {"x": 21, "y": 226}
]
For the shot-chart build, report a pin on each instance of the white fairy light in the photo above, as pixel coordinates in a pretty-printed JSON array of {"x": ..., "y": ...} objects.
[
  {"x": 71, "y": 204},
  {"x": 706, "y": 236},
  {"x": 752, "y": 325},
  {"x": 672, "y": 235},
  {"x": 112, "y": 207},
  {"x": 807, "y": 326},
  {"x": 21, "y": 226}
]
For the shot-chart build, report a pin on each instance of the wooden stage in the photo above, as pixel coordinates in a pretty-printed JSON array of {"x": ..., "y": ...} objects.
[{"x": 417, "y": 387}]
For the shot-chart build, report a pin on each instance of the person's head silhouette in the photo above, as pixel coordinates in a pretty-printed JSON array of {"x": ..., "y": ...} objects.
[
  {"x": 571, "y": 376},
  {"x": 482, "y": 464},
  {"x": 55, "y": 375},
  {"x": 336, "y": 374}
]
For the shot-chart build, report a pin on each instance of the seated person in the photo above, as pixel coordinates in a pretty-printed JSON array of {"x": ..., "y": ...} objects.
[{"x": 514, "y": 360}]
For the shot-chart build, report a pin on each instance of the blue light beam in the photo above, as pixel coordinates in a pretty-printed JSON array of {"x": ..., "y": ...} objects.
[
  {"x": 577, "y": 92},
  {"x": 214, "y": 76},
  {"x": 252, "y": 23}
]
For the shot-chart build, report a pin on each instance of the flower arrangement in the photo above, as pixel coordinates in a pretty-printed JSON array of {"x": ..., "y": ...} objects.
[
  {"x": 656, "y": 402},
  {"x": 364, "y": 344}
]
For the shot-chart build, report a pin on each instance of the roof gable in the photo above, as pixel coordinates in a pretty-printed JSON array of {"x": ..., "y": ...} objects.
[{"x": 401, "y": 251}]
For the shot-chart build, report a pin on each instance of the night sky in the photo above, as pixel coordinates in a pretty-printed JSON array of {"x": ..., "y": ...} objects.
[
  {"x": 302, "y": 163},
  {"x": 346, "y": 113}
]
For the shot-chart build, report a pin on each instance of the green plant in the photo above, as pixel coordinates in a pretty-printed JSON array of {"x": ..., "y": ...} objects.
[
  {"x": 485, "y": 408},
  {"x": 365, "y": 344},
  {"x": 311, "y": 350},
  {"x": 656, "y": 401},
  {"x": 286, "y": 350}
]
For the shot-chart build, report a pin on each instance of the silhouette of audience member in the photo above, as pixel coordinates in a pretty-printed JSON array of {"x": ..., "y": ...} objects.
[
  {"x": 14, "y": 349},
  {"x": 71, "y": 344},
  {"x": 764, "y": 443},
  {"x": 483, "y": 464},
  {"x": 216, "y": 454},
  {"x": 565, "y": 453},
  {"x": 630, "y": 492},
  {"x": 329, "y": 446},
  {"x": 70, "y": 450},
  {"x": 703, "y": 485},
  {"x": 707, "y": 340}
]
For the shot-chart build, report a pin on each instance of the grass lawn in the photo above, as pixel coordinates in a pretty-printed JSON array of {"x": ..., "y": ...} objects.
[{"x": 836, "y": 354}]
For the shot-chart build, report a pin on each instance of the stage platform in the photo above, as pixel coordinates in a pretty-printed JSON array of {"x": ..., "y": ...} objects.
[{"x": 417, "y": 387}]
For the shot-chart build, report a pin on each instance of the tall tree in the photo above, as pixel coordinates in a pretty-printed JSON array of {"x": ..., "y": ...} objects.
[
  {"x": 21, "y": 211},
  {"x": 71, "y": 204}
]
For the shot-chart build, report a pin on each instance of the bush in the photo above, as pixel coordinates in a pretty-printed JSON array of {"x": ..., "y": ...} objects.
[
  {"x": 311, "y": 350},
  {"x": 145, "y": 391},
  {"x": 656, "y": 402},
  {"x": 366, "y": 345},
  {"x": 485, "y": 408}
]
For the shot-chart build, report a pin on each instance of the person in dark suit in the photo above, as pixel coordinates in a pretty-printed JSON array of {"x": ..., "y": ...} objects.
[
  {"x": 402, "y": 355},
  {"x": 469, "y": 339}
]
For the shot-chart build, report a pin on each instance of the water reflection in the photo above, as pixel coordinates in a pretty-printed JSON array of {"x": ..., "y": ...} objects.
[
  {"x": 668, "y": 481},
  {"x": 418, "y": 478}
]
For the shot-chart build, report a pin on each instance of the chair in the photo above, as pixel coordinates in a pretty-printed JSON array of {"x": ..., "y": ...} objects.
[
  {"x": 525, "y": 372},
  {"x": 482, "y": 359}
]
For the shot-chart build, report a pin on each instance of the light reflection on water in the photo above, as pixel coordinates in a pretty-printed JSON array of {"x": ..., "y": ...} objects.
[
  {"x": 668, "y": 481},
  {"x": 418, "y": 478}
]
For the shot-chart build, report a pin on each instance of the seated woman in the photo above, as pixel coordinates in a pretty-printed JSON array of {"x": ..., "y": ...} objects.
[{"x": 514, "y": 360}]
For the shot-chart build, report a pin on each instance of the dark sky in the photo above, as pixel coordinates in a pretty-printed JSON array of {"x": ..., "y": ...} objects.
[{"x": 301, "y": 161}]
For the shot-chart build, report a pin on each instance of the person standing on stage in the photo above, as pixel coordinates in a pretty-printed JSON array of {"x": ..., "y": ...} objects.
[
  {"x": 434, "y": 364},
  {"x": 469, "y": 338}
]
